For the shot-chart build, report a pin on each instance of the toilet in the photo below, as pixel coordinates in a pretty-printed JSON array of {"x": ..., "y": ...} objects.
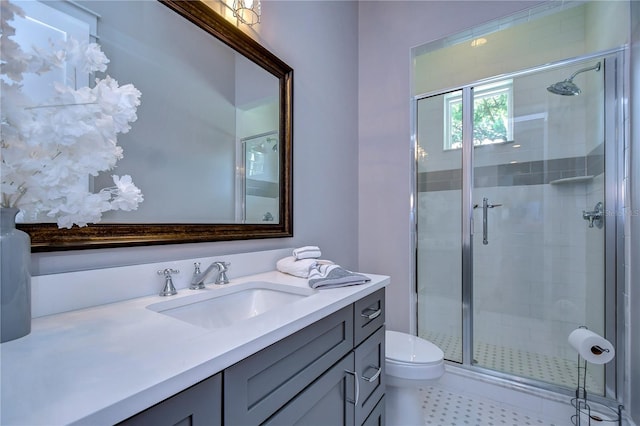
[{"x": 410, "y": 362}]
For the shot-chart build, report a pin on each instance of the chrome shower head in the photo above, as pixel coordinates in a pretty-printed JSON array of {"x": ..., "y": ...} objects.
[
  {"x": 565, "y": 88},
  {"x": 568, "y": 87}
]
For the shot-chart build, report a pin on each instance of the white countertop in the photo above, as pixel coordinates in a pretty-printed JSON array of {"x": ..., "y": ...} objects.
[{"x": 101, "y": 365}]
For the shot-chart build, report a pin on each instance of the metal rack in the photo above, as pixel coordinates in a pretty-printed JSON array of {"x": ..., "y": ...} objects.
[{"x": 584, "y": 415}]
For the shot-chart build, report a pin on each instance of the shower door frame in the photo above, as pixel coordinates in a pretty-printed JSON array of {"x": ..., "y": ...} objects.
[{"x": 616, "y": 160}]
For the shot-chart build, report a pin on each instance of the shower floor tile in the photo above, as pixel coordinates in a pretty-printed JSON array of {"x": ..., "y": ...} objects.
[
  {"x": 445, "y": 408},
  {"x": 518, "y": 362}
]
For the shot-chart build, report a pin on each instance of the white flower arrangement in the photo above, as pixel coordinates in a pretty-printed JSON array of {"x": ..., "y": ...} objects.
[{"x": 49, "y": 150}]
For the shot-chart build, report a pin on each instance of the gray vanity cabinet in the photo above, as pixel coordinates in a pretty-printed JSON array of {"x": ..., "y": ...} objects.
[
  {"x": 309, "y": 378},
  {"x": 199, "y": 405},
  {"x": 329, "y": 373}
]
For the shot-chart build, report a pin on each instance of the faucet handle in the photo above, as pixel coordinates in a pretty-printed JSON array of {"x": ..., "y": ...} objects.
[
  {"x": 169, "y": 288},
  {"x": 196, "y": 283},
  {"x": 223, "y": 267}
]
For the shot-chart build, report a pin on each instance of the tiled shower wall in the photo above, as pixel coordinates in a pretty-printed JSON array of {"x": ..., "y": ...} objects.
[{"x": 529, "y": 271}]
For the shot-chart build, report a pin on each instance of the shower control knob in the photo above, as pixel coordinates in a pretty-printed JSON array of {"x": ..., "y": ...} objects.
[{"x": 595, "y": 216}]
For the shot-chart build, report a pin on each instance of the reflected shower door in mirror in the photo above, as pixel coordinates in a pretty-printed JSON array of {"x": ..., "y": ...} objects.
[
  {"x": 206, "y": 89},
  {"x": 260, "y": 178}
]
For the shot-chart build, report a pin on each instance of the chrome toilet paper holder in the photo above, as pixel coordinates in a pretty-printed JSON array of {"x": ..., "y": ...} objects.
[{"x": 580, "y": 403}]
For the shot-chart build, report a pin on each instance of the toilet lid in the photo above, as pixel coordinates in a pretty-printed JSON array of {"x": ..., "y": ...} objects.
[{"x": 404, "y": 347}]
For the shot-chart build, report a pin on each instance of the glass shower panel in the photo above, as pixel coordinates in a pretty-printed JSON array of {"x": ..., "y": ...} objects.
[
  {"x": 439, "y": 218},
  {"x": 538, "y": 265}
]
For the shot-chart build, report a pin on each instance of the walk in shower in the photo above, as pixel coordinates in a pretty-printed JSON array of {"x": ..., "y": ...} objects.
[{"x": 517, "y": 238}]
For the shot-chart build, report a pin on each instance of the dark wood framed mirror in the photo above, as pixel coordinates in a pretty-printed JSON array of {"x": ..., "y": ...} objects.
[{"x": 48, "y": 237}]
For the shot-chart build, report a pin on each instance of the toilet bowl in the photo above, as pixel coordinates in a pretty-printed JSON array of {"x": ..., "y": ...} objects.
[{"x": 410, "y": 362}]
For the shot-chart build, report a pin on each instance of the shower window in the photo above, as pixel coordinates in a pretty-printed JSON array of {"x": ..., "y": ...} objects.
[{"x": 492, "y": 115}]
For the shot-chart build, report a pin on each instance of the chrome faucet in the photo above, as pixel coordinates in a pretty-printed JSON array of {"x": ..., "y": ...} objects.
[{"x": 198, "y": 279}]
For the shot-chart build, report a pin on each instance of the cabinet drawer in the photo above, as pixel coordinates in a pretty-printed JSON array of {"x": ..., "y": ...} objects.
[
  {"x": 199, "y": 405},
  {"x": 368, "y": 315},
  {"x": 377, "y": 416},
  {"x": 370, "y": 367},
  {"x": 258, "y": 386}
]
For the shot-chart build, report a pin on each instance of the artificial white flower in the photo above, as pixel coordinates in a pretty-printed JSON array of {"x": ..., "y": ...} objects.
[
  {"x": 50, "y": 150},
  {"x": 13, "y": 61},
  {"x": 127, "y": 195}
]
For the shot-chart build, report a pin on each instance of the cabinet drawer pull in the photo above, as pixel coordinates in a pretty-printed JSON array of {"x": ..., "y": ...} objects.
[
  {"x": 371, "y": 313},
  {"x": 355, "y": 374},
  {"x": 375, "y": 375}
]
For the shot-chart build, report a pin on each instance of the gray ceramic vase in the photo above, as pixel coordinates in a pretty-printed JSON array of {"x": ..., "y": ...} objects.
[{"x": 15, "y": 278}]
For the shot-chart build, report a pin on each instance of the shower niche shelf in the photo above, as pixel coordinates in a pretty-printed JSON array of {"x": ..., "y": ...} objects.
[{"x": 571, "y": 180}]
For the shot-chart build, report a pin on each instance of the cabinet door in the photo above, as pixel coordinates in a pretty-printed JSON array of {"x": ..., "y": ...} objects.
[
  {"x": 258, "y": 386},
  {"x": 370, "y": 367},
  {"x": 328, "y": 401},
  {"x": 199, "y": 405}
]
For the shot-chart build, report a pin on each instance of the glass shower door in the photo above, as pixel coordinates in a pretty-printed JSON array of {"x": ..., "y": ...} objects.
[
  {"x": 511, "y": 213},
  {"x": 538, "y": 255},
  {"x": 439, "y": 215}
]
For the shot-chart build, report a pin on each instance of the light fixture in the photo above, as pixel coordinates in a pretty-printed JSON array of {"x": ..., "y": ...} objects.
[
  {"x": 478, "y": 42},
  {"x": 247, "y": 11}
]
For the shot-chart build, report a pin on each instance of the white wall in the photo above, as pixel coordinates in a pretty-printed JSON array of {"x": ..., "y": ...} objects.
[
  {"x": 319, "y": 41},
  {"x": 388, "y": 31}
]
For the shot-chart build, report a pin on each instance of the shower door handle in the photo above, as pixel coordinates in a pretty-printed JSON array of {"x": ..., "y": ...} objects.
[{"x": 485, "y": 219}]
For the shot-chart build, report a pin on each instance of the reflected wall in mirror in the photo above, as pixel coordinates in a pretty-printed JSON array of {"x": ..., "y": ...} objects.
[{"x": 216, "y": 105}]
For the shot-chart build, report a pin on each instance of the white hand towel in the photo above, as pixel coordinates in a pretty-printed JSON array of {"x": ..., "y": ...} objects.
[
  {"x": 307, "y": 252},
  {"x": 330, "y": 276},
  {"x": 299, "y": 268}
]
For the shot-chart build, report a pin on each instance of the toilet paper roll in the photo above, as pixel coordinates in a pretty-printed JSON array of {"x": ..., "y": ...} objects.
[{"x": 592, "y": 347}]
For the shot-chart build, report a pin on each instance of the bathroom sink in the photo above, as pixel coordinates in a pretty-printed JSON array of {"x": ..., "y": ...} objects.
[{"x": 225, "y": 306}]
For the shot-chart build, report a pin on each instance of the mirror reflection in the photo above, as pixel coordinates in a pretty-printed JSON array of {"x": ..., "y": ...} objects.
[
  {"x": 205, "y": 117},
  {"x": 209, "y": 93}
]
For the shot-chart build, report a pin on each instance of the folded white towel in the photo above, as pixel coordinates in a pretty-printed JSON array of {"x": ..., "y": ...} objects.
[
  {"x": 329, "y": 276},
  {"x": 299, "y": 268},
  {"x": 307, "y": 252}
]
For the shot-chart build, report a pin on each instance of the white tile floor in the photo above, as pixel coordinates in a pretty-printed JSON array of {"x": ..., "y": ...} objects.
[{"x": 442, "y": 407}]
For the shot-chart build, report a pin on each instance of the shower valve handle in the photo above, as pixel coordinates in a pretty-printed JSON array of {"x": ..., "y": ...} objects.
[
  {"x": 595, "y": 216},
  {"x": 485, "y": 219}
]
